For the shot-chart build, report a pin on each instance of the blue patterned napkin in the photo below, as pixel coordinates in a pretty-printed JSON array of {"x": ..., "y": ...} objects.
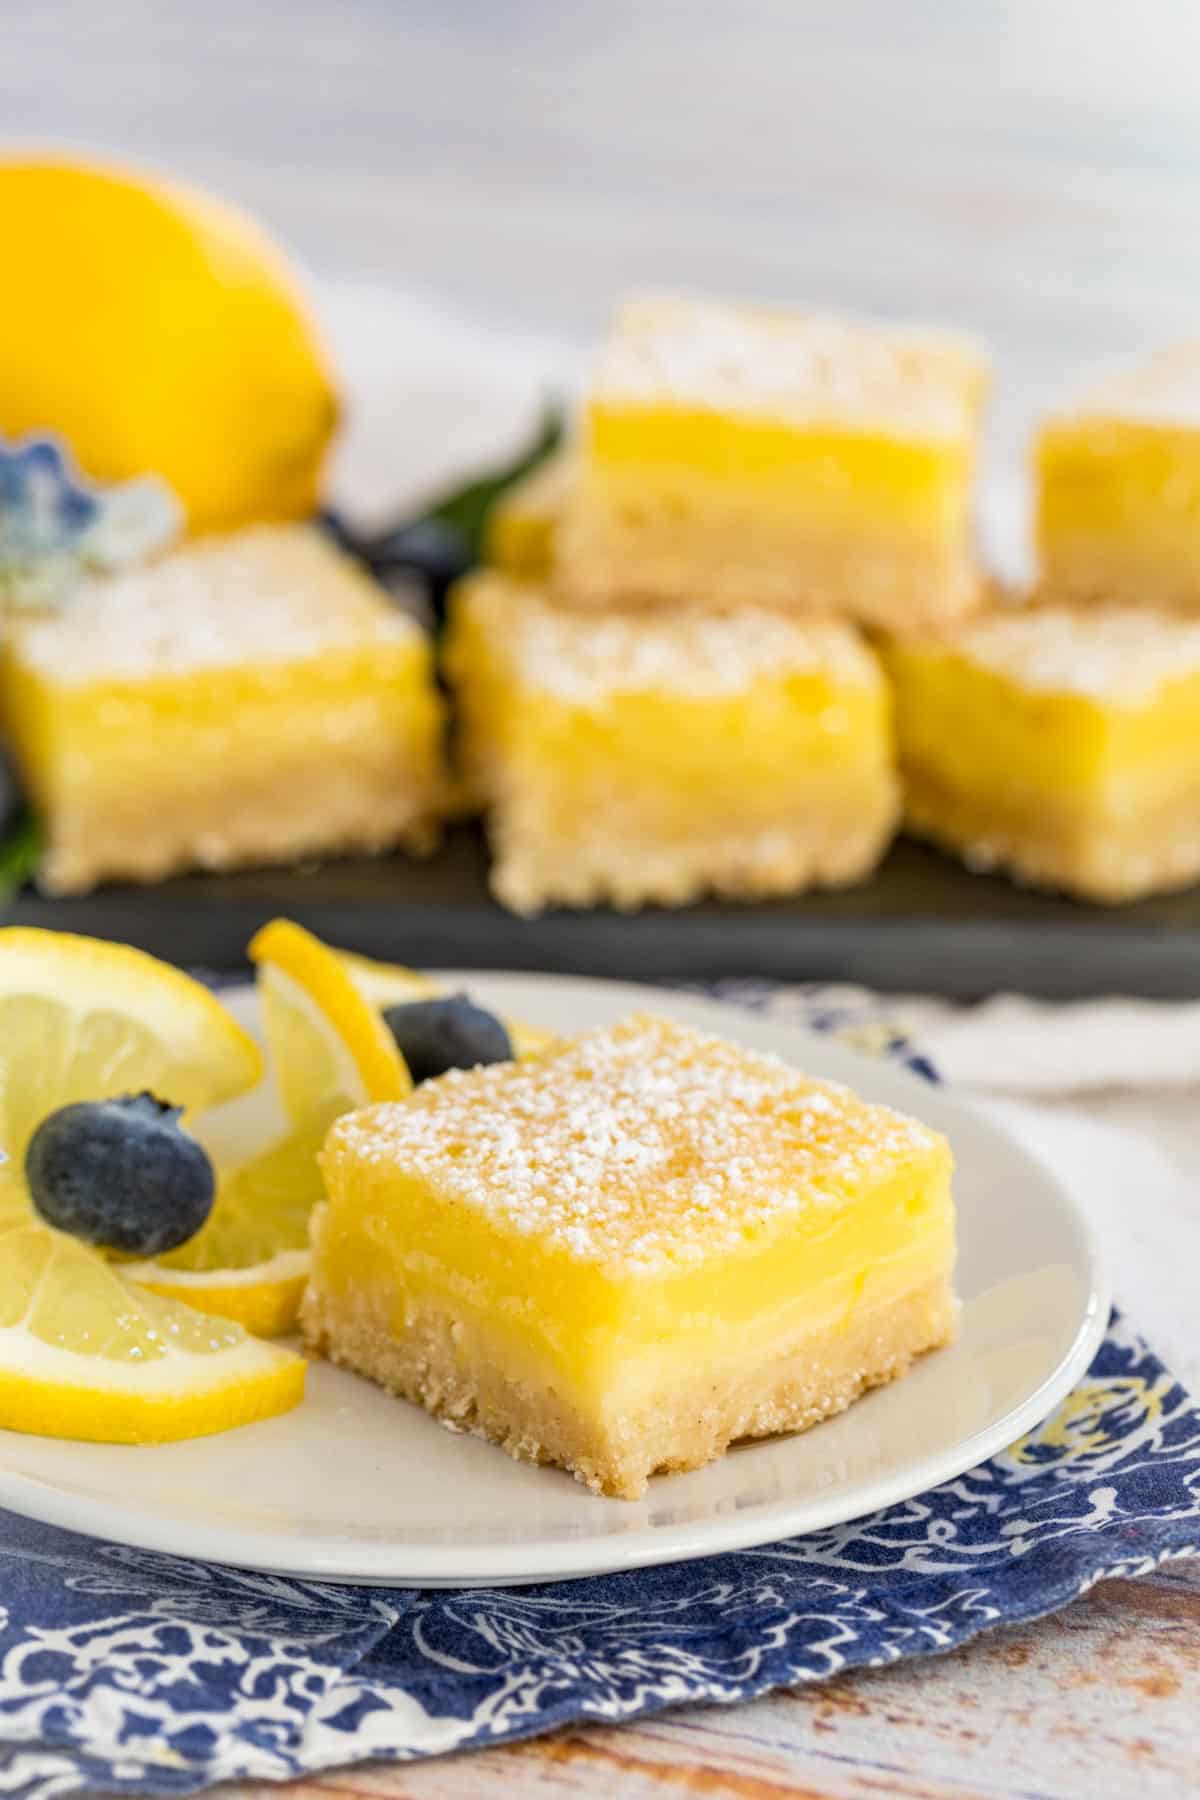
[{"x": 125, "y": 1672}]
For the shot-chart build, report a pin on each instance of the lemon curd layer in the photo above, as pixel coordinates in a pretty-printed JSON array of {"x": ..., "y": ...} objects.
[
  {"x": 634, "y": 757},
  {"x": 740, "y": 454},
  {"x": 627, "y": 1253},
  {"x": 249, "y": 698},
  {"x": 1118, "y": 481},
  {"x": 1058, "y": 743}
]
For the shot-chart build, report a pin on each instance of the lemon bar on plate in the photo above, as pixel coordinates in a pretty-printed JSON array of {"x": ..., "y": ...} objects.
[
  {"x": 737, "y": 454},
  {"x": 635, "y": 757},
  {"x": 246, "y": 699},
  {"x": 1057, "y": 743},
  {"x": 626, "y": 1254},
  {"x": 1118, "y": 487}
]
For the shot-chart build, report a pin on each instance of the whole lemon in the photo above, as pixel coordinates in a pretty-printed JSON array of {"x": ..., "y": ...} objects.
[{"x": 159, "y": 330}]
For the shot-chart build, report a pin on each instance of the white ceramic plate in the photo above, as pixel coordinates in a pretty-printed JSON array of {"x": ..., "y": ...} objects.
[{"x": 355, "y": 1486}]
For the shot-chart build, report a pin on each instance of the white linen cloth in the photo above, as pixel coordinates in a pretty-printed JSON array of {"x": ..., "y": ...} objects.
[{"x": 1107, "y": 1092}]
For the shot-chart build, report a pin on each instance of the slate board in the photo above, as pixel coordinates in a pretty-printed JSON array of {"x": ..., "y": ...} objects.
[{"x": 922, "y": 924}]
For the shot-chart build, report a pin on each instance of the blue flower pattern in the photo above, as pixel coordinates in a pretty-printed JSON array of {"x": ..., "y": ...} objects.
[{"x": 125, "y": 1672}]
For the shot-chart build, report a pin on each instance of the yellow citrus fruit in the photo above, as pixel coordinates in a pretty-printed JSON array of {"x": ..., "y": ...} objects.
[
  {"x": 85, "y": 1355},
  {"x": 329, "y": 1046},
  {"x": 330, "y": 1051},
  {"x": 386, "y": 984},
  {"x": 251, "y": 1260},
  {"x": 159, "y": 330},
  {"x": 81, "y": 1019}
]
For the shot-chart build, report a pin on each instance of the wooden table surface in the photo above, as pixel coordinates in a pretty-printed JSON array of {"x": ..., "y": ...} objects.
[
  {"x": 1031, "y": 172},
  {"x": 1095, "y": 1703}
]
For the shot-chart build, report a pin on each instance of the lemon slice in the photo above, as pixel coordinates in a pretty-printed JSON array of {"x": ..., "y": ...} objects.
[
  {"x": 391, "y": 984},
  {"x": 386, "y": 984},
  {"x": 84, "y": 1355},
  {"x": 250, "y": 1262},
  {"x": 86, "y": 1020},
  {"x": 329, "y": 1045},
  {"x": 331, "y": 1052}
]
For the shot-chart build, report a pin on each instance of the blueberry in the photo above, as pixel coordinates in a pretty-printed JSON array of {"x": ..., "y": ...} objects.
[
  {"x": 416, "y": 561},
  {"x": 451, "y": 1033},
  {"x": 120, "y": 1173},
  {"x": 430, "y": 548}
]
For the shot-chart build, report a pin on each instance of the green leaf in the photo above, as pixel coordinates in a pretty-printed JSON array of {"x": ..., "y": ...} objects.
[
  {"x": 19, "y": 853},
  {"x": 465, "y": 509}
]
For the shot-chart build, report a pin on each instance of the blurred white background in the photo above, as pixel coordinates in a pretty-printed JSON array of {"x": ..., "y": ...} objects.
[{"x": 1029, "y": 170}]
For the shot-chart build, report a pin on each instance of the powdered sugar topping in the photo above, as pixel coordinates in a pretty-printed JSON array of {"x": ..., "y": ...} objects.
[
  {"x": 1121, "y": 655},
  {"x": 802, "y": 368},
  {"x": 269, "y": 595},
  {"x": 584, "y": 657},
  {"x": 645, "y": 1146},
  {"x": 1162, "y": 389}
]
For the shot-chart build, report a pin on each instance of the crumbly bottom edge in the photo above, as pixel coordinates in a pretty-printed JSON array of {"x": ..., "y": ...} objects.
[
  {"x": 608, "y": 863},
  {"x": 1061, "y": 848},
  {"x": 887, "y": 586},
  {"x": 292, "y": 826},
  {"x": 440, "y": 1364},
  {"x": 1085, "y": 569}
]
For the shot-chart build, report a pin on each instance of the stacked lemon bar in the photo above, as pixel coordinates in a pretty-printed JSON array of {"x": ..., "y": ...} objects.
[
  {"x": 1057, "y": 739},
  {"x": 664, "y": 685},
  {"x": 751, "y": 454},
  {"x": 245, "y": 698}
]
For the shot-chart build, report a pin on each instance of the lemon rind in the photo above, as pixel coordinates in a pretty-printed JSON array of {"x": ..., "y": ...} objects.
[
  {"x": 263, "y": 1298},
  {"x": 287, "y": 949}
]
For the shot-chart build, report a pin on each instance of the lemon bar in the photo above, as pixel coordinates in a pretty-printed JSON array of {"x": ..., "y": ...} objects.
[
  {"x": 1118, "y": 485},
  {"x": 1059, "y": 744},
  {"x": 522, "y": 527},
  {"x": 626, "y": 1254},
  {"x": 735, "y": 454},
  {"x": 637, "y": 757},
  {"x": 247, "y": 699}
]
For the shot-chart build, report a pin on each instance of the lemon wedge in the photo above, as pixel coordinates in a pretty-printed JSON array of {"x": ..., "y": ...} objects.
[
  {"x": 250, "y": 1262},
  {"x": 85, "y": 1355},
  {"x": 330, "y": 1051},
  {"x": 386, "y": 984},
  {"x": 329, "y": 1046},
  {"x": 85, "y": 1020}
]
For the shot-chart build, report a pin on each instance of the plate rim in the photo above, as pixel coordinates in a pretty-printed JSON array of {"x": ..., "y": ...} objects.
[{"x": 579, "y": 1558}]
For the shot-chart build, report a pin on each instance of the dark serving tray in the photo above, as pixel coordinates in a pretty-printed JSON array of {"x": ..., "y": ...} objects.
[{"x": 921, "y": 924}]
